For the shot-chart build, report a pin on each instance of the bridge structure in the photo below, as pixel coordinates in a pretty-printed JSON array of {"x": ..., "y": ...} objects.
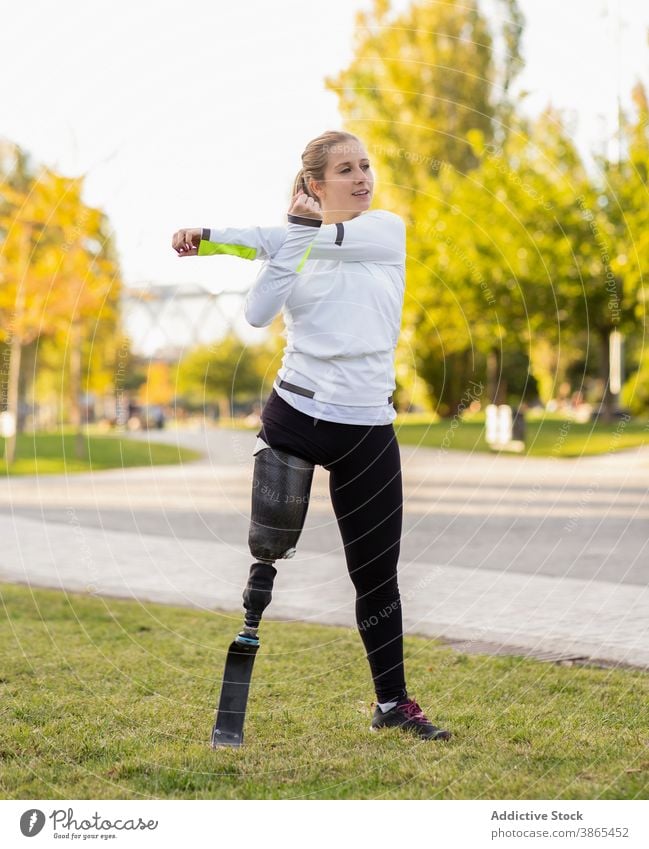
[{"x": 163, "y": 320}]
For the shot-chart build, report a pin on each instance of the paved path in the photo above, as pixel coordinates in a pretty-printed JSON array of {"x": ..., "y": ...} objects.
[{"x": 545, "y": 554}]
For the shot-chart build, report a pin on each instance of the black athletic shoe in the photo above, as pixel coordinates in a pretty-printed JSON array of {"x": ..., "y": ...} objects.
[{"x": 410, "y": 717}]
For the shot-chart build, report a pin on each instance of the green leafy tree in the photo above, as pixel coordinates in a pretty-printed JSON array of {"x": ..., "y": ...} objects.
[
  {"x": 495, "y": 263},
  {"x": 625, "y": 202},
  {"x": 221, "y": 372}
]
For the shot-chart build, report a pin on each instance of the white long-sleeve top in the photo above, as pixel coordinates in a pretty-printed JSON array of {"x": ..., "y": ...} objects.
[{"x": 340, "y": 288}]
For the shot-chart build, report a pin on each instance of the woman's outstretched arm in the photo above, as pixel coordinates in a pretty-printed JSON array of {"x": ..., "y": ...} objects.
[
  {"x": 244, "y": 242},
  {"x": 274, "y": 283},
  {"x": 374, "y": 236}
]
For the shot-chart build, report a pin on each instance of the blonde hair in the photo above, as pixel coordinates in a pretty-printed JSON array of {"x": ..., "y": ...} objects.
[{"x": 316, "y": 156}]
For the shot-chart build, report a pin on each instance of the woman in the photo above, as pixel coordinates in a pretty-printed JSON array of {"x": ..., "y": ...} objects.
[{"x": 337, "y": 273}]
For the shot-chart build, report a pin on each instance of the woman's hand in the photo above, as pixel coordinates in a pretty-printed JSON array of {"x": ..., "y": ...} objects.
[
  {"x": 304, "y": 205},
  {"x": 186, "y": 242}
]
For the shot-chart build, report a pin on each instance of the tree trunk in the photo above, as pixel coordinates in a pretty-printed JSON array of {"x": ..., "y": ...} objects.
[
  {"x": 75, "y": 390},
  {"x": 460, "y": 375},
  {"x": 607, "y": 404},
  {"x": 12, "y": 394},
  {"x": 496, "y": 383},
  {"x": 225, "y": 411},
  {"x": 16, "y": 345}
]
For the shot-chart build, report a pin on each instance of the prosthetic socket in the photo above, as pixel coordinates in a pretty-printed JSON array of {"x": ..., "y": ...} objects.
[{"x": 280, "y": 497}]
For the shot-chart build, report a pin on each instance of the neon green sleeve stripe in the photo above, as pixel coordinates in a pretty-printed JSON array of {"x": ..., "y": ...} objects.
[
  {"x": 210, "y": 248},
  {"x": 304, "y": 258}
]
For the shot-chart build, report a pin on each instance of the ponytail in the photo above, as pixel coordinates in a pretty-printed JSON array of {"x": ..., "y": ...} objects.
[{"x": 299, "y": 185}]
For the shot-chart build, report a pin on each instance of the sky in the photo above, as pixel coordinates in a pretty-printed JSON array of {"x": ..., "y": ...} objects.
[{"x": 184, "y": 116}]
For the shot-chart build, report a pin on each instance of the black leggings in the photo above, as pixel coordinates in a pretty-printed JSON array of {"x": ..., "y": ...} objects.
[{"x": 364, "y": 468}]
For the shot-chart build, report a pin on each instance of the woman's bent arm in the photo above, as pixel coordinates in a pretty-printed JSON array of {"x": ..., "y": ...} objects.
[
  {"x": 374, "y": 236},
  {"x": 274, "y": 282}
]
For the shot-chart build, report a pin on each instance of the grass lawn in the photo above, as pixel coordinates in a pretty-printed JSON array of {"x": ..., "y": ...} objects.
[
  {"x": 113, "y": 699},
  {"x": 53, "y": 453},
  {"x": 548, "y": 434},
  {"x": 545, "y": 436}
]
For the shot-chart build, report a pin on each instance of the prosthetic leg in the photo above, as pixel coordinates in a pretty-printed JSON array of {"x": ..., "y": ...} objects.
[{"x": 280, "y": 497}]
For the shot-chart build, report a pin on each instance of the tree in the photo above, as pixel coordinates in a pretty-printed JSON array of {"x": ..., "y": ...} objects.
[
  {"x": 624, "y": 202},
  {"x": 218, "y": 373},
  {"x": 495, "y": 261},
  {"x": 23, "y": 216},
  {"x": 59, "y": 272},
  {"x": 84, "y": 284}
]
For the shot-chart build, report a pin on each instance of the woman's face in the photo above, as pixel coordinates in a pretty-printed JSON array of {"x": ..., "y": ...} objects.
[{"x": 349, "y": 183}]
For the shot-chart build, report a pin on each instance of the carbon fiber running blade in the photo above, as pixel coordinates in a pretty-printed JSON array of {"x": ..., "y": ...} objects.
[{"x": 228, "y": 728}]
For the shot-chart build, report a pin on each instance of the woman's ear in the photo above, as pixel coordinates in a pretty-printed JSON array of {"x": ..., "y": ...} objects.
[{"x": 315, "y": 190}]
